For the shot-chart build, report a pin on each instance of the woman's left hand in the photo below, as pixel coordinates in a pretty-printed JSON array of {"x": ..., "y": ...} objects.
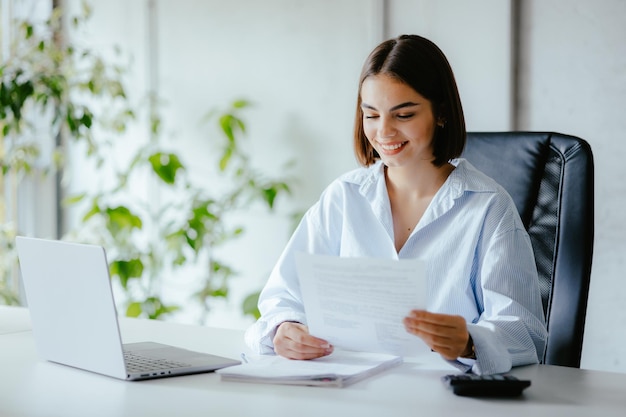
[{"x": 444, "y": 333}]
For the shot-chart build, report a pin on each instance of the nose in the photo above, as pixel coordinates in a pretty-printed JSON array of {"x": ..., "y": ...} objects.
[{"x": 386, "y": 128}]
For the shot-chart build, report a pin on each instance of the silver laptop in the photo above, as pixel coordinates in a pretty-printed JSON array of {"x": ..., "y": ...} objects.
[{"x": 69, "y": 295}]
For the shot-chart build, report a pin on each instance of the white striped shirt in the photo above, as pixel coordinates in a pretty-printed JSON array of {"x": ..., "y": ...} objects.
[{"x": 479, "y": 261}]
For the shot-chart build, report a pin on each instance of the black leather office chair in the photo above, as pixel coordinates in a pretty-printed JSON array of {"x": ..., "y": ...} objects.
[{"x": 550, "y": 178}]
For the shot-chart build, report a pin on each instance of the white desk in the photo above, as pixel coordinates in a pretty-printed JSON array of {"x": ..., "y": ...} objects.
[{"x": 31, "y": 387}]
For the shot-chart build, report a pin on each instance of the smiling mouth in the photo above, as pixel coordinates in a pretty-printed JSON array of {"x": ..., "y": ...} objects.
[{"x": 392, "y": 147}]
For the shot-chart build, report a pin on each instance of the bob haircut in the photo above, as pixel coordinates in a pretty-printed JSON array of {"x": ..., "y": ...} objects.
[{"x": 420, "y": 64}]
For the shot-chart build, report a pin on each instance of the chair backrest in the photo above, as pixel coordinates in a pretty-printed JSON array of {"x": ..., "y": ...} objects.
[{"x": 550, "y": 178}]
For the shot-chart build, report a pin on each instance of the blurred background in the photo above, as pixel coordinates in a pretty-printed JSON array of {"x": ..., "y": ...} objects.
[{"x": 536, "y": 65}]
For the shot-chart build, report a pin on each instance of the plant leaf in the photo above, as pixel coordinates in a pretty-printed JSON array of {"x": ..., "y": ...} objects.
[
  {"x": 121, "y": 218},
  {"x": 133, "y": 310},
  {"x": 250, "y": 305},
  {"x": 166, "y": 166},
  {"x": 126, "y": 270}
]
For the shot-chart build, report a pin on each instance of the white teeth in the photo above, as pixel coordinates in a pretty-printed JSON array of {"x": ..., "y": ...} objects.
[{"x": 391, "y": 147}]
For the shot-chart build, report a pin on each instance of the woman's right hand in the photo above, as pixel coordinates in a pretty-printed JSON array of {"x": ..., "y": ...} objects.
[{"x": 293, "y": 341}]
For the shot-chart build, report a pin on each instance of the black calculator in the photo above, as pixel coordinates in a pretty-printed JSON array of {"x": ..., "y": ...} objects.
[{"x": 471, "y": 385}]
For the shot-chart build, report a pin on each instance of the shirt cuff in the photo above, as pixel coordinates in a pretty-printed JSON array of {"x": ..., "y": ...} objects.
[
  {"x": 260, "y": 336},
  {"x": 491, "y": 356}
]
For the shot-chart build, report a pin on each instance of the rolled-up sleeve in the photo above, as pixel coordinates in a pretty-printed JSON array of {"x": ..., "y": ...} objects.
[{"x": 510, "y": 330}]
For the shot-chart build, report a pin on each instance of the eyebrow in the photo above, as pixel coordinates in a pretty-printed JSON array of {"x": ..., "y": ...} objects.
[{"x": 394, "y": 108}]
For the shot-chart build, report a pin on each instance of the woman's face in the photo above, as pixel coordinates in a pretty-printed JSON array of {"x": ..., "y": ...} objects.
[{"x": 398, "y": 122}]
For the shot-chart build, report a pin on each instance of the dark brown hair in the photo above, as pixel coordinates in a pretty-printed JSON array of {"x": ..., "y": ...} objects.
[{"x": 421, "y": 65}]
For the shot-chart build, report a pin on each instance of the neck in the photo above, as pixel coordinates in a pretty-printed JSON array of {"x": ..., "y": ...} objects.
[{"x": 417, "y": 181}]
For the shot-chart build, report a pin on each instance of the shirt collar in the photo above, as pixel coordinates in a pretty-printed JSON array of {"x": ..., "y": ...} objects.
[
  {"x": 464, "y": 178},
  {"x": 366, "y": 178}
]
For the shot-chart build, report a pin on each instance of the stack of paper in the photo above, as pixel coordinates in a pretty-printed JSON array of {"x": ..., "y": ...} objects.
[{"x": 339, "y": 369}]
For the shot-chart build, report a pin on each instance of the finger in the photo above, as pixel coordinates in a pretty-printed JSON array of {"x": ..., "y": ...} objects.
[
  {"x": 437, "y": 338},
  {"x": 295, "y": 345},
  {"x": 435, "y": 330},
  {"x": 304, "y": 355},
  {"x": 446, "y": 320},
  {"x": 299, "y": 334},
  {"x": 293, "y": 341},
  {"x": 432, "y": 336},
  {"x": 450, "y": 342},
  {"x": 446, "y": 347},
  {"x": 292, "y": 350}
]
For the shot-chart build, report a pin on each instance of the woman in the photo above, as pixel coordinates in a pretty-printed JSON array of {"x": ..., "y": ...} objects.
[{"x": 414, "y": 198}]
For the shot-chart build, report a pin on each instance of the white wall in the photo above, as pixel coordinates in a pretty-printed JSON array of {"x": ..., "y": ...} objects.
[
  {"x": 299, "y": 62},
  {"x": 476, "y": 38}
]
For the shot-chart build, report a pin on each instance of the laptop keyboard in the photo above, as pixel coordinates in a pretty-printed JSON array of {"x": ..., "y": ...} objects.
[{"x": 138, "y": 363}]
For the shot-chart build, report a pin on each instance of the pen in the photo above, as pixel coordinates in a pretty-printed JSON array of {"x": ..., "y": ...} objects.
[{"x": 244, "y": 358}]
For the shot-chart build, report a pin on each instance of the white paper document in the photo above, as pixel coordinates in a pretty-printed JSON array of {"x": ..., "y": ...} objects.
[
  {"x": 359, "y": 303},
  {"x": 339, "y": 369}
]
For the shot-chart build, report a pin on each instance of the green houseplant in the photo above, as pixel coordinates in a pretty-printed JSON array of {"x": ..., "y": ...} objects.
[
  {"x": 144, "y": 237},
  {"x": 187, "y": 226},
  {"x": 46, "y": 87}
]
